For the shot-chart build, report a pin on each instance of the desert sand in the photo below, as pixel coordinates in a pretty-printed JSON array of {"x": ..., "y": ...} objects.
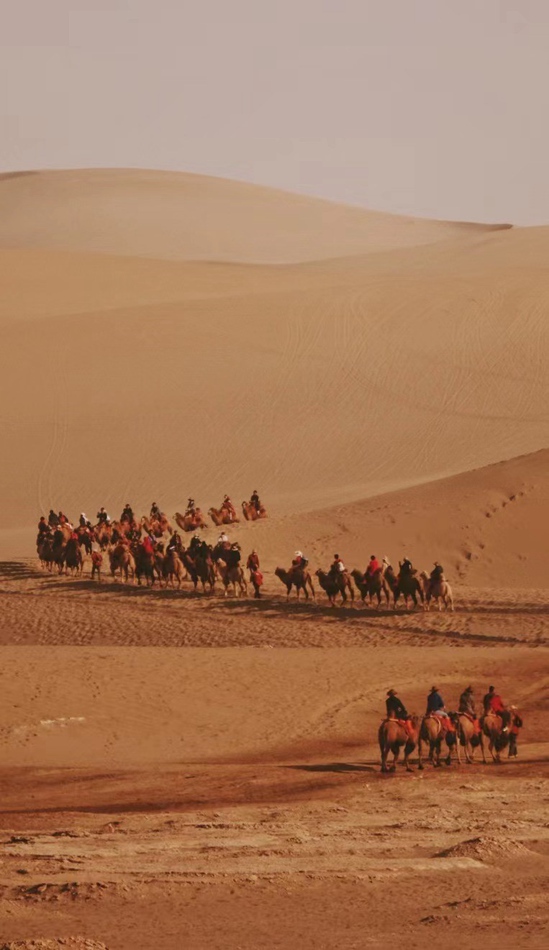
[{"x": 181, "y": 770}]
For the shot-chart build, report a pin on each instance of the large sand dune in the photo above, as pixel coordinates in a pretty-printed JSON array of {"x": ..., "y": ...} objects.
[{"x": 317, "y": 382}]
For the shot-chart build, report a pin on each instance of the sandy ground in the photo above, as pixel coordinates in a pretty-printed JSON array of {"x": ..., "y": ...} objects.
[{"x": 181, "y": 770}]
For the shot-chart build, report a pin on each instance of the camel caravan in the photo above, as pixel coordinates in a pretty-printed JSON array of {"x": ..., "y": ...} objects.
[
  {"x": 443, "y": 735},
  {"x": 150, "y": 550}
]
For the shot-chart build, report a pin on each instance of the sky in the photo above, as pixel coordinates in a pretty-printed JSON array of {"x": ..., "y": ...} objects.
[{"x": 431, "y": 107}]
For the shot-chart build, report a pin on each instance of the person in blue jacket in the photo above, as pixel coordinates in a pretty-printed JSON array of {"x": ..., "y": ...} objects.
[{"x": 435, "y": 703}]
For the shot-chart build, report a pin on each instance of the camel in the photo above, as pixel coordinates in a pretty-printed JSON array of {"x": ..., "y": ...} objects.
[
  {"x": 121, "y": 559},
  {"x": 45, "y": 553},
  {"x": 296, "y": 577},
  {"x": 72, "y": 557},
  {"x": 103, "y": 533},
  {"x": 432, "y": 732},
  {"x": 334, "y": 584},
  {"x": 232, "y": 575},
  {"x": 393, "y": 737},
  {"x": 438, "y": 590},
  {"x": 469, "y": 738},
  {"x": 190, "y": 522},
  {"x": 409, "y": 586},
  {"x": 251, "y": 513},
  {"x": 199, "y": 568},
  {"x": 221, "y": 516},
  {"x": 498, "y": 739},
  {"x": 371, "y": 585},
  {"x": 144, "y": 565},
  {"x": 173, "y": 569}
]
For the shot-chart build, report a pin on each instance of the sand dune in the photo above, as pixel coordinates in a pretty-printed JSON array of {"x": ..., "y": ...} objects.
[
  {"x": 319, "y": 382},
  {"x": 181, "y": 216}
]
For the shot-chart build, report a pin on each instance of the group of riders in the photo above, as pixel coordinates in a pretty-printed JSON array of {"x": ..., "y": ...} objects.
[
  {"x": 149, "y": 537},
  {"x": 507, "y": 717}
]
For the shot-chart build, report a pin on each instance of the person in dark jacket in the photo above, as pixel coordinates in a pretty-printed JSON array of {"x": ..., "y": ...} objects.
[
  {"x": 435, "y": 703},
  {"x": 397, "y": 710}
]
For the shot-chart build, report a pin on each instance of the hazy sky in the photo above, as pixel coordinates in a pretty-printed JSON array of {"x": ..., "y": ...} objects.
[{"x": 433, "y": 107}]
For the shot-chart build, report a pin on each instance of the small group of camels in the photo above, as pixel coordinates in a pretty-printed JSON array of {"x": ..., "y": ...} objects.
[
  {"x": 420, "y": 588},
  {"x": 429, "y": 732},
  {"x": 194, "y": 520}
]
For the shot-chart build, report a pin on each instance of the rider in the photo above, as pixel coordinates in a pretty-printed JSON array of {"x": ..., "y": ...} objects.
[
  {"x": 300, "y": 561},
  {"x": 337, "y": 566},
  {"x": 190, "y": 506},
  {"x": 148, "y": 544},
  {"x": 53, "y": 519},
  {"x": 397, "y": 710},
  {"x": 174, "y": 543},
  {"x": 102, "y": 516},
  {"x": 43, "y": 527},
  {"x": 467, "y": 703},
  {"x": 155, "y": 512},
  {"x": 436, "y": 573},
  {"x": 493, "y": 703},
  {"x": 82, "y": 521},
  {"x": 254, "y": 500},
  {"x": 127, "y": 514},
  {"x": 228, "y": 505},
  {"x": 223, "y": 539},
  {"x": 406, "y": 566},
  {"x": 373, "y": 567},
  {"x": 435, "y": 706}
]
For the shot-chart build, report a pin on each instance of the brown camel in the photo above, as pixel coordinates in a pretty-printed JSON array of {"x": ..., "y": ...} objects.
[
  {"x": 232, "y": 575},
  {"x": 500, "y": 736},
  {"x": 409, "y": 586},
  {"x": 72, "y": 557},
  {"x": 121, "y": 559},
  {"x": 469, "y": 738},
  {"x": 296, "y": 577},
  {"x": 45, "y": 553},
  {"x": 433, "y": 732},
  {"x": 221, "y": 516},
  {"x": 190, "y": 522},
  {"x": 333, "y": 584},
  {"x": 371, "y": 585},
  {"x": 251, "y": 513},
  {"x": 173, "y": 569},
  {"x": 393, "y": 737}
]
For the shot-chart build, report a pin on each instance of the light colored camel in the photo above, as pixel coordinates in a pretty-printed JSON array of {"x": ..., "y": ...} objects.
[
  {"x": 296, "y": 577},
  {"x": 393, "y": 737},
  {"x": 433, "y": 733},
  {"x": 469, "y": 738}
]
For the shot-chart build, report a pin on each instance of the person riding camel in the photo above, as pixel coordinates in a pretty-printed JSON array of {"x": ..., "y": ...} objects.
[
  {"x": 254, "y": 500},
  {"x": 385, "y": 563},
  {"x": 53, "y": 519},
  {"x": 102, "y": 516},
  {"x": 397, "y": 710},
  {"x": 174, "y": 544},
  {"x": 406, "y": 567},
  {"x": 82, "y": 521},
  {"x": 337, "y": 566},
  {"x": 190, "y": 506},
  {"x": 228, "y": 506},
  {"x": 43, "y": 527},
  {"x": 437, "y": 573},
  {"x": 127, "y": 514},
  {"x": 148, "y": 544},
  {"x": 467, "y": 703},
  {"x": 63, "y": 518},
  {"x": 222, "y": 539},
  {"x": 493, "y": 703},
  {"x": 435, "y": 707},
  {"x": 155, "y": 512},
  {"x": 299, "y": 561},
  {"x": 373, "y": 567}
]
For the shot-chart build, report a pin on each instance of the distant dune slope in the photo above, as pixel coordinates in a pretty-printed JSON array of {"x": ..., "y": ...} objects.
[
  {"x": 181, "y": 216},
  {"x": 324, "y": 382}
]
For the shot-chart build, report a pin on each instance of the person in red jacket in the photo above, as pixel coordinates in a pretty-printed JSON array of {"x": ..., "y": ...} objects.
[
  {"x": 493, "y": 703},
  {"x": 373, "y": 566}
]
